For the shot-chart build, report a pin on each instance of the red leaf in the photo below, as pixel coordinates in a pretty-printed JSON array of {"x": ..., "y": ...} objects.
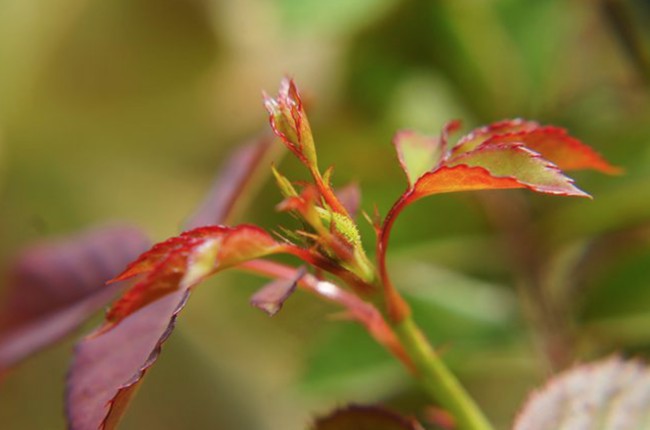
[
  {"x": 555, "y": 145},
  {"x": 56, "y": 285},
  {"x": 234, "y": 181},
  {"x": 356, "y": 417},
  {"x": 272, "y": 296},
  {"x": 110, "y": 363},
  {"x": 477, "y": 136},
  {"x": 181, "y": 262},
  {"x": 94, "y": 400},
  {"x": 460, "y": 178}
]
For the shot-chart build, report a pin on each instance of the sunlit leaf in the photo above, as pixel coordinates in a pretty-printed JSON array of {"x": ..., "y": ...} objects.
[
  {"x": 56, "y": 285},
  {"x": 365, "y": 418},
  {"x": 555, "y": 145},
  {"x": 487, "y": 158},
  {"x": 477, "y": 136},
  {"x": 525, "y": 166},
  {"x": 183, "y": 261},
  {"x": 495, "y": 157},
  {"x": 417, "y": 153},
  {"x": 611, "y": 394},
  {"x": 460, "y": 178}
]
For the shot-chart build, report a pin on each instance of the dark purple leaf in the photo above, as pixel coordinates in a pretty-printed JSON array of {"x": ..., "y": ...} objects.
[
  {"x": 233, "y": 181},
  {"x": 272, "y": 296},
  {"x": 365, "y": 418},
  {"x": 105, "y": 372},
  {"x": 107, "y": 368},
  {"x": 54, "y": 286}
]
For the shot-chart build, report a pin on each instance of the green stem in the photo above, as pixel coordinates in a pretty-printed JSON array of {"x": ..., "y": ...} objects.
[{"x": 437, "y": 380}]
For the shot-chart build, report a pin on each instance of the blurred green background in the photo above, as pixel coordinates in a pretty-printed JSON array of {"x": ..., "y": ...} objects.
[{"x": 124, "y": 109}]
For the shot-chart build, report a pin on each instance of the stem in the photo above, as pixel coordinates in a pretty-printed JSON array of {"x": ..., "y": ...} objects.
[
  {"x": 357, "y": 309},
  {"x": 403, "y": 339},
  {"x": 437, "y": 380},
  {"x": 398, "y": 310},
  {"x": 432, "y": 373},
  {"x": 327, "y": 193}
]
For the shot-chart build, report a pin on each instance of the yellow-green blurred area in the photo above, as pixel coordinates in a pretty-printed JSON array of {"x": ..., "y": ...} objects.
[{"x": 124, "y": 109}]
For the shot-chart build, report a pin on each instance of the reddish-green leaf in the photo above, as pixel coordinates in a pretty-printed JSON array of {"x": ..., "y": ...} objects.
[
  {"x": 289, "y": 122},
  {"x": 500, "y": 150},
  {"x": 183, "y": 261},
  {"x": 552, "y": 143},
  {"x": 611, "y": 394},
  {"x": 555, "y": 145},
  {"x": 54, "y": 286},
  {"x": 417, "y": 153},
  {"x": 460, "y": 178},
  {"x": 365, "y": 418},
  {"x": 477, "y": 136},
  {"x": 491, "y": 157},
  {"x": 525, "y": 166}
]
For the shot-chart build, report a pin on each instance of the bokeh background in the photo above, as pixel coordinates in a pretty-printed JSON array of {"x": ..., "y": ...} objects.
[{"x": 124, "y": 109}]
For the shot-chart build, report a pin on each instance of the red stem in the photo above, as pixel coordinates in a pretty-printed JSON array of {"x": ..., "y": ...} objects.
[
  {"x": 317, "y": 260},
  {"x": 397, "y": 308},
  {"x": 358, "y": 309},
  {"x": 327, "y": 193}
]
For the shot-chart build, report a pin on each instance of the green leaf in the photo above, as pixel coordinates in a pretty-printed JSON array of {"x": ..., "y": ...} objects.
[
  {"x": 286, "y": 188},
  {"x": 417, "y": 153}
]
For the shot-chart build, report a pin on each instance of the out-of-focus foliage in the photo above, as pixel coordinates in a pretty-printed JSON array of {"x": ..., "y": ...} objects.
[
  {"x": 608, "y": 394},
  {"x": 123, "y": 109},
  {"x": 54, "y": 287}
]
